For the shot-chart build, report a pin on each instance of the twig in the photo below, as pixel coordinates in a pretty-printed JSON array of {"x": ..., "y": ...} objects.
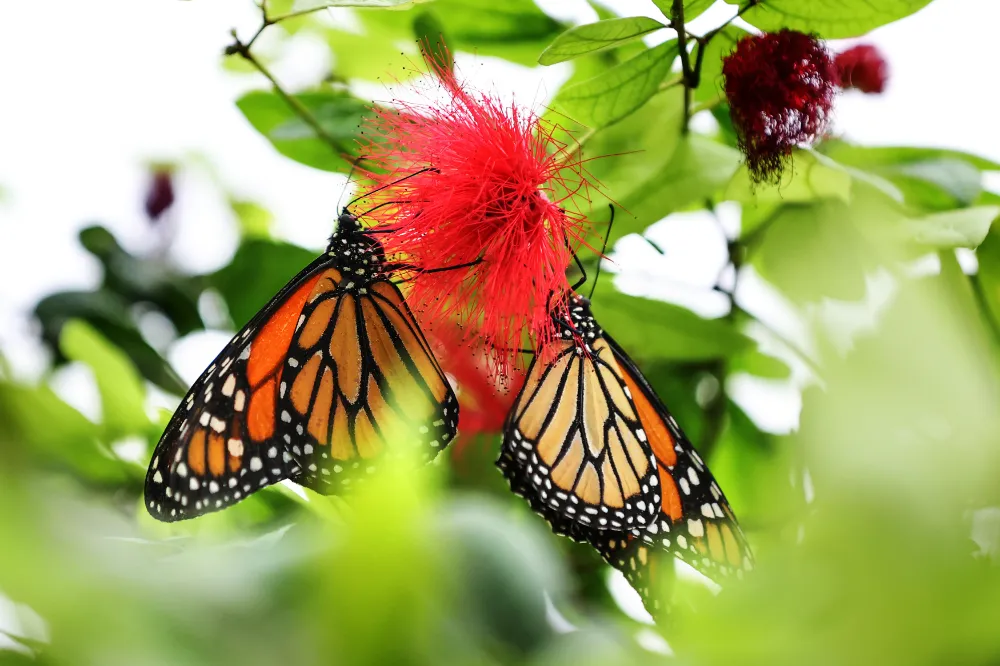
[
  {"x": 243, "y": 50},
  {"x": 677, "y": 22}
]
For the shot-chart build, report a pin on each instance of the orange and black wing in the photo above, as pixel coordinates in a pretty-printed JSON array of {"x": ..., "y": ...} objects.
[
  {"x": 360, "y": 382},
  {"x": 695, "y": 521},
  {"x": 221, "y": 443},
  {"x": 573, "y": 444}
]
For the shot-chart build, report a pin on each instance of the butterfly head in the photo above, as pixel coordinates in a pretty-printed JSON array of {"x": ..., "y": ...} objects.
[
  {"x": 575, "y": 321},
  {"x": 347, "y": 223},
  {"x": 351, "y": 242}
]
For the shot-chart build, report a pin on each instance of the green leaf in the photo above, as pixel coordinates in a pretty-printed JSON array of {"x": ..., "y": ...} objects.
[
  {"x": 254, "y": 219},
  {"x": 692, "y": 8},
  {"x": 811, "y": 252},
  {"x": 516, "y": 30},
  {"x": 339, "y": 115},
  {"x": 868, "y": 156},
  {"x": 597, "y": 37},
  {"x": 757, "y": 363},
  {"x": 621, "y": 90},
  {"x": 988, "y": 276},
  {"x": 258, "y": 271},
  {"x": 642, "y": 146},
  {"x": 710, "y": 85},
  {"x": 928, "y": 178},
  {"x": 144, "y": 280},
  {"x": 108, "y": 313},
  {"x": 122, "y": 392},
  {"x": 368, "y": 4},
  {"x": 35, "y": 419},
  {"x": 698, "y": 168},
  {"x": 433, "y": 43},
  {"x": 830, "y": 20},
  {"x": 807, "y": 178},
  {"x": 959, "y": 228},
  {"x": 668, "y": 331}
]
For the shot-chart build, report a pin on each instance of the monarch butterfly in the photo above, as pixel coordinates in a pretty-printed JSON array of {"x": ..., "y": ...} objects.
[
  {"x": 308, "y": 390},
  {"x": 691, "y": 517}
]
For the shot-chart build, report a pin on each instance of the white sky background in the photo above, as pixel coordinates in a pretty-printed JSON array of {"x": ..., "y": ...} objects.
[{"x": 96, "y": 90}]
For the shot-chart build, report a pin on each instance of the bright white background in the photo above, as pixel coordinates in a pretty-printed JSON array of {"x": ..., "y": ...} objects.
[{"x": 96, "y": 90}]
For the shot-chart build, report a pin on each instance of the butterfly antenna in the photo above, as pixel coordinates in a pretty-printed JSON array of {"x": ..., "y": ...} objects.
[
  {"x": 600, "y": 257},
  {"x": 354, "y": 165},
  {"x": 395, "y": 182}
]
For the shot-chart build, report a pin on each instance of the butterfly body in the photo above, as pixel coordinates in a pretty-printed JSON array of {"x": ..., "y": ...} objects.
[
  {"x": 329, "y": 377},
  {"x": 573, "y": 444},
  {"x": 691, "y": 518}
]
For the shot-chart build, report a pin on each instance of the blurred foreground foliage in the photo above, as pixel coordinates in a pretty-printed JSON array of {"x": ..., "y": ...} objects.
[{"x": 876, "y": 524}]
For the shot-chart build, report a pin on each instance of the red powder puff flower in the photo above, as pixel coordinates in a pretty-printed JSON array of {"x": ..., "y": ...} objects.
[
  {"x": 780, "y": 87},
  {"x": 862, "y": 67},
  {"x": 473, "y": 180},
  {"x": 484, "y": 399}
]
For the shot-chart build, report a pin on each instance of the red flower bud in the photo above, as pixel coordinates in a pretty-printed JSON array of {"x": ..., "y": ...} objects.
[
  {"x": 159, "y": 194},
  {"x": 862, "y": 67},
  {"x": 780, "y": 88}
]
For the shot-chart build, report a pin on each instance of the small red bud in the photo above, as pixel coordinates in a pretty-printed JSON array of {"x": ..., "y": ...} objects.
[
  {"x": 159, "y": 194},
  {"x": 862, "y": 67}
]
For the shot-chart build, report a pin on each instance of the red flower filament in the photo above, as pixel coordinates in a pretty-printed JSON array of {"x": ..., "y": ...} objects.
[
  {"x": 477, "y": 180},
  {"x": 780, "y": 88}
]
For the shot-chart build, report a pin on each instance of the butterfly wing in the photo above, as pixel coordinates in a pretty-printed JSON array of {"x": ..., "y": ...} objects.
[
  {"x": 573, "y": 445},
  {"x": 221, "y": 444},
  {"x": 361, "y": 380},
  {"x": 695, "y": 521}
]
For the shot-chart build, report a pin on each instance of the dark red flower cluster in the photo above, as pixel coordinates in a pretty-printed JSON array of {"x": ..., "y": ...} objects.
[
  {"x": 484, "y": 398},
  {"x": 780, "y": 88},
  {"x": 862, "y": 67},
  {"x": 484, "y": 185}
]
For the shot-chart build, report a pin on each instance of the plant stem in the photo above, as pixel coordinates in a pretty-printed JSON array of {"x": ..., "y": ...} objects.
[
  {"x": 243, "y": 50},
  {"x": 677, "y": 22}
]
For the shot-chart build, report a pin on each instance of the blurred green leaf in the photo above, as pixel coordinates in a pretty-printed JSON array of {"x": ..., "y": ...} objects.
[
  {"x": 611, "y": 96},
  {"x": 433, "y": 42},
  {"x": 988, "y": 275},
  {"x": 755, "y": 469},
  {"x": 929, "y": 178},
  {"x": 502, "y": 570},
  {"x": 513, "y": 29},
  {"x": 122, "y": 392},
  {"x": 811, "y": 252},
  {"x": 629, "y": 152},
  {"x": 108, "y": 313},
  {"x": 254, "y": 219},
  {"x": 808, "y": 177},
  {"x": 698, "y": 168},
  {"x": 757, "y": 363},
  {"x": 670, "y": 331},
  {"x": 847, "y": 18},
  {"x": 258, "y": 271},
  {"x": 598, "y": 36},
  {"x": 710, "y": 85},
  {"x": 889, "y": 156},
  {"x": 958, "y": 228},
  {"x": 338, "y": 113},
  {"x": 692, "y": 8},
  {"x": 363, "y": 4},
  {"x": 145, "y": 279},
  {"x": 36, "y": 422}
]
